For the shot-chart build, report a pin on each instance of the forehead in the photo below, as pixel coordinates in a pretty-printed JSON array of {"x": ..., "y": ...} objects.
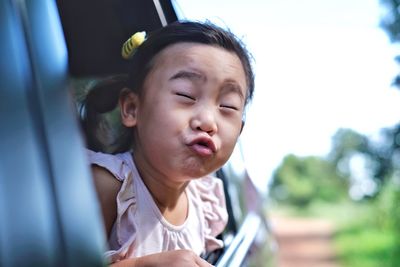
[{"x": 215, "y": 62}]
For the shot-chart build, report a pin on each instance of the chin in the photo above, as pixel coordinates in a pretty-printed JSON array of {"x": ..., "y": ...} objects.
[
  {"x": 195, "y": 172},
  {"x": 195, "y": 168}
]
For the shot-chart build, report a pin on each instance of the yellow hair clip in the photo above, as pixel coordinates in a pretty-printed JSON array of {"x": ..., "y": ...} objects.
[{"x": 129, "y": 47}]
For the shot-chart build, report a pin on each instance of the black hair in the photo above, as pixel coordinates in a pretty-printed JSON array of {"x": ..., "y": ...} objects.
[{"x": 104, "y": 96}]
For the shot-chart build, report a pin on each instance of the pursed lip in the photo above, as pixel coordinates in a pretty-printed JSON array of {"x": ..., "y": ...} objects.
[{"x": 203, "y": 146}]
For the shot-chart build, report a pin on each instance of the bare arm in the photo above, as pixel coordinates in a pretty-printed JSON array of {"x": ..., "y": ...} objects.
[{"x": 107, "y": 187}]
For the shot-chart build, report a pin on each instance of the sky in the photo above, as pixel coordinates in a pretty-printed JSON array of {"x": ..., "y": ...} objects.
[{"x": 320, "y": 65}]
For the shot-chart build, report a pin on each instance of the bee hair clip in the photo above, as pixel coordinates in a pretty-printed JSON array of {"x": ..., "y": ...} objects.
[{"x": 130, "y": 46}]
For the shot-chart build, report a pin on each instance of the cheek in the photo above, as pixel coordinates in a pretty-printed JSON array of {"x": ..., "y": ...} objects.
[
  {"x": 229, "y": 136},
  {"x": 158, "y": 124}
]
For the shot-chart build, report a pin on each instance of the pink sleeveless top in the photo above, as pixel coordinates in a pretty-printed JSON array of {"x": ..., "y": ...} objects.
[{"x": 140, "y": 229}]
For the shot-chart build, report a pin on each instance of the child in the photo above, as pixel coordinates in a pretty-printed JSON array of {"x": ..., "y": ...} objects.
[{"x": 182, "y": 111}]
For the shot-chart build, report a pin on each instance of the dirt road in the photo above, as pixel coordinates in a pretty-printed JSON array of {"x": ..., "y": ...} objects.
[{"x": 304, "y": 242}]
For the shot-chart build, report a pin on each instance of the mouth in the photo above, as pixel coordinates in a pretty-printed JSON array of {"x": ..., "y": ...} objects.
[{"x": 203, "y": 146}]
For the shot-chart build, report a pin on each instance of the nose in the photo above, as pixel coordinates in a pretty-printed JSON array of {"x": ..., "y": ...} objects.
[{"x": 204, "y": 120}]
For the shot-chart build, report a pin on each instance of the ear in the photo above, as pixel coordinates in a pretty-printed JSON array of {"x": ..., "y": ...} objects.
[{"x": 129, "y": 104}]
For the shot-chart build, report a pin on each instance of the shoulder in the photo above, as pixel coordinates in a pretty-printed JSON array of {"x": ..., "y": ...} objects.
[
  {"x": 115, "y": 164},
  {"x": 109, "y": 172},
  {"x": 210, "y": 192},
  {"x": 105, "y": 182},
  {"x": 209, "y": 186},
  {"x": 212, "y": 201}
]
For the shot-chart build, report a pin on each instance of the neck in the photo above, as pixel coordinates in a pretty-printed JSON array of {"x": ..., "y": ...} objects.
[{"x": 168, "y": 194}]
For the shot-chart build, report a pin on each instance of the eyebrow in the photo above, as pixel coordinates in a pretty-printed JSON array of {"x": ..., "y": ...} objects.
[
  {"x": 230, "y": 86},
  {"x": 190, "y": 75},
  {"x": 233, "y": 87}
]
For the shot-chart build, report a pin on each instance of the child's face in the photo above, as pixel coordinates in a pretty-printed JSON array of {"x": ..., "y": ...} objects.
[{"x": 190, "y": 114}]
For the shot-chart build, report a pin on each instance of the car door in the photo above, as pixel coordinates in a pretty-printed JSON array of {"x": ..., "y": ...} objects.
[{"x": 48, "y": 212}]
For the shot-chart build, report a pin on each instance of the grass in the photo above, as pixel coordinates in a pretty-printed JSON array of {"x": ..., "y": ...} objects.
[
  {"x": 360, "y": 240},
  {"x": 363, "y": 240},
  {"x": 362, "y": 245}
]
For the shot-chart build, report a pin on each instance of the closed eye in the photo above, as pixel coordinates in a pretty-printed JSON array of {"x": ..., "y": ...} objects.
[
  {"x": 186, "y": 96},
  {"x": 229, "y": 107}
]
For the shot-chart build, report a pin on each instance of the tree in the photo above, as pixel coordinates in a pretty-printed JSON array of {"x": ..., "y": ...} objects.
[
  {"x": 345, "y": 143},
  {"x": 389, "y": 153},
  {"x": 300, "y": 180},
  {"x": 380, "y": 158},
  {"x": 391, "y": 24}
]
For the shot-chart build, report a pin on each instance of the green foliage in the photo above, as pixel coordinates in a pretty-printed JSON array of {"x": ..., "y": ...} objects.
[
  {"x": 371, "y": 236},
  {"x": 387, "y": 206},
  {"x": 390, "y": 22},
  {"x": 387, "y": 152},
  {"x": 380, "y": 157},
  {"x": 361, "y": 245},
  {"x": 346, "y": 143},
  {"x": 388, "y": 210},
  {"x": 367, "y": 232},
  {"x": 298, "y": 181}
]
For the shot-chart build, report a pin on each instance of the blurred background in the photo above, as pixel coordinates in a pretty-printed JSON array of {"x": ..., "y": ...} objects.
[{"x": 322, "y": 135}]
